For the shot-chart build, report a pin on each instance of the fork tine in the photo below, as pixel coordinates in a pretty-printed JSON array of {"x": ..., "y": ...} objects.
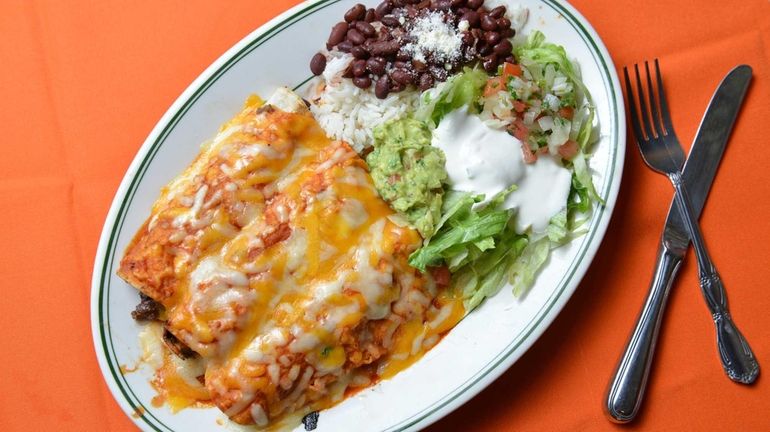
[
  {"x": 643, "y": 106},
  {"x": 653, "y": 102},
  {"x": 665, "y": 115},
  {"x": 632, "y": 108}
]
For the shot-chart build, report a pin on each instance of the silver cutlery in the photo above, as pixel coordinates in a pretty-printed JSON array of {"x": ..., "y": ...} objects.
[{"x": 627, "y": 387}]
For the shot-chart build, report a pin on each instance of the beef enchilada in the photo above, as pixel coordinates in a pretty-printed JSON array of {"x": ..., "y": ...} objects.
[{"x": 277, "y": 263}]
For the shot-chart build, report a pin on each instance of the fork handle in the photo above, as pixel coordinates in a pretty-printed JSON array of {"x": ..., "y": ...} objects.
[
  {"x": 626, "y": 390},
  {"x": 737, "y": 358}
]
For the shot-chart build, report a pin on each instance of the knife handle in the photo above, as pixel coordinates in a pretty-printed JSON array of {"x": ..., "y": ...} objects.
[
  {"x": 737, "y": 358},
  {"x": 626, "y": 390}
]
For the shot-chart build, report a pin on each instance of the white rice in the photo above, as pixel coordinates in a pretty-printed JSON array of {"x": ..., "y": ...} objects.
[{"x": 349, "y": 113}]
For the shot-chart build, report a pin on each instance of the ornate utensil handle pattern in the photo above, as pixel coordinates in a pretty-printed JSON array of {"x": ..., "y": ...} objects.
[{"x": 738, "y": 360}]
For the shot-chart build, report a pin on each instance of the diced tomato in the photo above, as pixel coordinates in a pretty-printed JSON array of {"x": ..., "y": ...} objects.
[
  {"x": 568, "y": 150},
  {"x": 529, "y": 156},
  {"x": 566, "y": 112},
  {"x": 519, "y": 106},
  {"x": 494, "y": 85},
  {"x": 510, "y": 69},
  {"x": 441, "y": 275},
  {"x": 519, "y": 130}
]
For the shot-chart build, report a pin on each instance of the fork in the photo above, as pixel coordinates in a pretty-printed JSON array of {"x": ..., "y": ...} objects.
[{"x": 662, "y": 152}]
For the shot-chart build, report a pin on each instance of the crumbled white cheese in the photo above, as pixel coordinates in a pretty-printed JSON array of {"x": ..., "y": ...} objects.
[{"x": 431, "y": 35}]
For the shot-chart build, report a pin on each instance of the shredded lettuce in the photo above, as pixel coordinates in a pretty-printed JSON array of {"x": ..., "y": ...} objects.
[
  {"x": 478, "y": 245},
  {"x": 461, "y": 90},
  {"x": 537, "y": 52},
  {"x": 558, "y": 230},
  {"x": 522, "y": 273},
  {"x": 485, "y": 276},
  {"x": 583, "y": 176},
  {"x": 464, "y": 229},
  {"x": 477, "y": 240}
]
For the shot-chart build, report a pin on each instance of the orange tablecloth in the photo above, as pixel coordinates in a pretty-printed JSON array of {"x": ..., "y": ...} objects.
[{"x": 84, "y": 82}]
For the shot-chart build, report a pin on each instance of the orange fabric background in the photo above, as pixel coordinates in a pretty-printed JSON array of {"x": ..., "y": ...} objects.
[{"x": 84, "y": 82}]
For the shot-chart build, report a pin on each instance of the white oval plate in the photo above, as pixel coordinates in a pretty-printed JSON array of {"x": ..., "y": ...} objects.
[{"x": 472, "y": 355}]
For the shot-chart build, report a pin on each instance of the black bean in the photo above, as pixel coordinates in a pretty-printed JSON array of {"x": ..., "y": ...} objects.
[
  {"x": 366, "y": 29},
  {"x": 356, "y": 37},
  {"x": 475, "y": 4},
  {"x": 510, "y": 59},
  {"x": 411, "y": 11},
  {"x": 318, "y": 64},
  {"x": 468, "y": 39},
  {"x": 507, "y": 33},
  {"x": 384, "y": 34},
  {"x": 370, "y": 15},
  {"x": 398, "y": 64},
  {"x": 337, "y": 35},
  {"x": 358, "y": 68},
  {"x": 398, "y": 33},
  {"x": 423, "y": 4},
  {"x": 384, "y": 48},
  {"x": 472, "y": 17},
  {"x": 426, "y": 81},
  {"x": 504, "y": 48},
  {"x": 456, "y": 4},
  {"x": 488, "y": 23},
  {"x": 382, "y": 87},
  {"x": 355, "y": 13},
  {"x": 497, "y": 12},
  {"x": 396, "y": 86},
  {"x": 359, "y": 52},
  {"x": 403, "y": 56},
  {"x": 442, "y": 5},
  {"x": 348, "y": 72},
  {"x": 363, "y": 82},
  {"x": 419, "y": 66},
  {"x": 401, "y": 76},
  {"x": 490, "y": 63},
  {"x": 345, "y": 46},
  {"x": 390, "y": 21},
  {"x": 376, "y": 65},
  {"x": 483, "y": 48},
  {"x": 383, "y": 9},
  {"x": 503, "y": 23},
  {"x": 492, "y": 38}
]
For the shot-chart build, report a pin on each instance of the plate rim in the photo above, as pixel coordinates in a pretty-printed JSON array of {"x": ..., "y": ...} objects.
[{"x": 601, "y": 215}]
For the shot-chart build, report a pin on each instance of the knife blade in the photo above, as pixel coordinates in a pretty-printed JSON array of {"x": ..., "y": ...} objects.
[
  {"x": 626, "y": 389},
  {"x": 708, "y": 147}
]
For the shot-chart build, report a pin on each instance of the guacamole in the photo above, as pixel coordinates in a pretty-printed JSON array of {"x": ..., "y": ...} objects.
[{"x": 408, "y": 172}]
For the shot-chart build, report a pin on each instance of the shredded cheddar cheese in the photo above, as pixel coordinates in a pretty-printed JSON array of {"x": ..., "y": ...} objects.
[{"x": 278, "y": 264}]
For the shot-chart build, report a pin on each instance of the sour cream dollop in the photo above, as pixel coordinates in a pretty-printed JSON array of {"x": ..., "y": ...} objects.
[{"x": 480, "y": 159}]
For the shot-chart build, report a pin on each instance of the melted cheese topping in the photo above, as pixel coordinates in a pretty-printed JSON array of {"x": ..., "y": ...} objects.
[{"x": 279, "y": 264}]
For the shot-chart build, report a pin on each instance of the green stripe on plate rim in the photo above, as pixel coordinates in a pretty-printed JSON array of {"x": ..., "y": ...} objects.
[{"x": 136, "y": 404}]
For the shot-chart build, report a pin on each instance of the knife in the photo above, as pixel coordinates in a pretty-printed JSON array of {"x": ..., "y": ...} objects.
[{"x": 626, "y": 390}]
